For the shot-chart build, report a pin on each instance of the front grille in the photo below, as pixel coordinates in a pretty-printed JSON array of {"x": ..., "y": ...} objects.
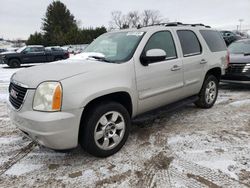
[
  {"x": 16, "y": 95},
  {"x": 238, "y": 68}
]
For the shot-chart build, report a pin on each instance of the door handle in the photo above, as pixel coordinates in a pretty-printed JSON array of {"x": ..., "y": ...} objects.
[
  {"x": 203, "y": 61},
  {"x": 175, "y": 68}
]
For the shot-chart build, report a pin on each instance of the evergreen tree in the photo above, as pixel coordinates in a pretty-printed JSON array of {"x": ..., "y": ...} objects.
[
  {"x": 60, "y": 28},
  {"x": 57, "y": 22},
  {"x": 36, "y": 38}
]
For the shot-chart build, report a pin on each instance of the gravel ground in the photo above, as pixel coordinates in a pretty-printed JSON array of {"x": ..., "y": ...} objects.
[{"x": 185, "y": 147}]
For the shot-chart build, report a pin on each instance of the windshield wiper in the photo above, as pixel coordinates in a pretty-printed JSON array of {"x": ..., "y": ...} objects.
[
  {"x": 101, "y": 58},
  {"x": 246, "y": 54}
]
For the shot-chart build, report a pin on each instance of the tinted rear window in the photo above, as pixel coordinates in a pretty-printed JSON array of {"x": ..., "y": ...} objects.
[
  {"x": 214, "y": 40},
  {"x": 189, "y": 43}
]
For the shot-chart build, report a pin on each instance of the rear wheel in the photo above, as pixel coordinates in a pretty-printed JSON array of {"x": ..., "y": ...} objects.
[
  {"x": 105, "y": 129},
  {"x": 14, "y": 63},
  {"x": 208, "y": 93}
]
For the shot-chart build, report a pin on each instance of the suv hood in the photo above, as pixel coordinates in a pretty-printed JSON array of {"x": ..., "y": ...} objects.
[
  {"x": 8, "y": 53},
  {"x": 239, "y": 58},
  {"x": 57, "y": 71}
]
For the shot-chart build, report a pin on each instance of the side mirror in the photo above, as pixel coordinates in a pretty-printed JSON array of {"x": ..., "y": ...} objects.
[{"x": 153, "y": 55}]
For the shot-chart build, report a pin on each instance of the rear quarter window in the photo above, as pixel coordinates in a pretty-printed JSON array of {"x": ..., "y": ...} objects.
[{"x": 214, "y": 40}]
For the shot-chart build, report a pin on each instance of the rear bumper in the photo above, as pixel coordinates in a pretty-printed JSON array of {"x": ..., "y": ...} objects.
[
  {"x": 236, "y": 77},
  {"x": 57, "y": 130}
]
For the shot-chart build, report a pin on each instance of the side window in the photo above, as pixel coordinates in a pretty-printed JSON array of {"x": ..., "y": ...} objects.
[
  {"x": 27, "y": 50},
  {"x": 162, "y": 40},
  {"x": 214, "y": 40},
  {"x": 38, "y": 49},
  {"x": 189, "y": 43}
]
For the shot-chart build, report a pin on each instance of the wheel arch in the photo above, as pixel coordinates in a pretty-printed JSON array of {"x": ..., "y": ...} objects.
[
  {"x": 17, "y": 58},
  {"x": 122, "y": 97},
  {"x": 216, "y": 71}
]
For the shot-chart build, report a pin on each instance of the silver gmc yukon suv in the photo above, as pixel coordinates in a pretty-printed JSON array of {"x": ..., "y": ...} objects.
[{"x": 90, "y": 99}]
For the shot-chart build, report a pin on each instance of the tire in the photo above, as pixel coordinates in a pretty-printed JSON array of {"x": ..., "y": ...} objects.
[
  {"x": 14, "y": 63},
  {"x": 208, "y": 93},
  {"x": 99, "y": 134}
]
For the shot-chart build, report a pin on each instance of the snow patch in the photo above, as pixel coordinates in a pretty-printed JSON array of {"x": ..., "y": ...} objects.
[
  {"x": 4, "y": 97},
  {"x": 241, "y": 103},
  {"x": 175, "y": 139},
  {"x": 19, "y": 169},
  {"x": 221, "y": 165},
  {"x": 8, "y": 140}
]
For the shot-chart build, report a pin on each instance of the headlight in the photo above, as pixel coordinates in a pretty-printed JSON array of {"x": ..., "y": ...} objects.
[{"x": 48, "y": 97}]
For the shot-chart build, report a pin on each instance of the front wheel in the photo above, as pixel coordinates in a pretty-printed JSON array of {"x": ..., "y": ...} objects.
[
  {"x": 208, "y": 93},
  {"x": 14, "y": 63},
  {"x": 105, "y": 129}
]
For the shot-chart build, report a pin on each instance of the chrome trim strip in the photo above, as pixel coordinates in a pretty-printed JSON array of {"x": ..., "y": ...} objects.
[
  {"x": 190, "y": 82},
  {"x": 19, "y": 83},
  {"x": 148, "y": 94}
]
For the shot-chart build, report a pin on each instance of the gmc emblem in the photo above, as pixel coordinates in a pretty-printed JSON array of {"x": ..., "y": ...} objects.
[{"x": 13, "y": 93}]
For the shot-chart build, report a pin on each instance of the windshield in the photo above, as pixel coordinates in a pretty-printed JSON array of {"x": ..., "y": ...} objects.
[
  {"x": 115, "y": 47},
  {"x": 21, "y": 49},
  {"x": 241, "y": 47}
]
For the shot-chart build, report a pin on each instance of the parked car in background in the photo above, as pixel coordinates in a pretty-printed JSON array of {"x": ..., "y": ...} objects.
[
  {"x": 32, "y": 54},
  {"x": 75, "y": 49},
  {"x": 239, "y": 67},
  {"x": 2, "y": 50},
  {"x": 54, "y": 48},
  {"x": 121, "y": 74},
  {"x": 229, "y": 36}
]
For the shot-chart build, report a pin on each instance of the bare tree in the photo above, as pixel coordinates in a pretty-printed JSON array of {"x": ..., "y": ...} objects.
[
  {"x": 118, "y": 20},
  {"x": 133, "y": 18},
  {"x": 150, "y": 17}
]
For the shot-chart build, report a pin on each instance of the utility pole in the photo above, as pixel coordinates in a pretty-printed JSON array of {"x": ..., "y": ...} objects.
[{"x": 240, "y": 20}]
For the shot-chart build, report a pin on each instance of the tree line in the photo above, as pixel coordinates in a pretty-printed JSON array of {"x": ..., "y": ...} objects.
[
  {"x": 59, "y": 26},
  {"x": 134, "y": 19}
]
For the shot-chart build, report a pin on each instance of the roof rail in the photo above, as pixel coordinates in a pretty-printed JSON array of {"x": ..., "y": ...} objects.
[{"x": 169, "y": 24}]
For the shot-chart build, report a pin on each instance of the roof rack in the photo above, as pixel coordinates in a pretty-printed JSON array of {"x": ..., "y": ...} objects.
[{"x": 169, "y": 24}]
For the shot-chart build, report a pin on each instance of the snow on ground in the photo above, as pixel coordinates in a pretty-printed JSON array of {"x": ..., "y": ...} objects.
[{"x": 188, "y": 147}]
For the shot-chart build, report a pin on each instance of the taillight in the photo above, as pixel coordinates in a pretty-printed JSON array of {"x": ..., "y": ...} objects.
[
  {"x": 227, "y": 59},
  {"x": 67, "y": 54}
]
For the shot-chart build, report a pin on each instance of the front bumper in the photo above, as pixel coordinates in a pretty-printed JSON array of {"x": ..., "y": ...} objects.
[
  {"x": 2, "y": 61},
  {"x": 56, "y": 130},
  {"x": 237, "y": 73}
]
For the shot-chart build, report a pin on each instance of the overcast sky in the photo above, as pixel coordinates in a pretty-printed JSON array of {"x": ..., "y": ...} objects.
[{"x": 20, "y": 18}]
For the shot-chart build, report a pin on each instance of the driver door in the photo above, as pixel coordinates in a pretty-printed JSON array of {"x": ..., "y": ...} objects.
[
  {"x": 159, "y": 83},
  {"x": 34, "y": 55}
]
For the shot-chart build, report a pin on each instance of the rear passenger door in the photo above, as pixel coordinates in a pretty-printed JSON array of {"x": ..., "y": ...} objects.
[
  {"x": 39, "y": 55},
  {"x": 193, "y": 61}
]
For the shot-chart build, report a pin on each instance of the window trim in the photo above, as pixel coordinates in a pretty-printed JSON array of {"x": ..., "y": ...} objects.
[
  {"x": 167, "y": 58},
  {"x": 190, "y": 54}
]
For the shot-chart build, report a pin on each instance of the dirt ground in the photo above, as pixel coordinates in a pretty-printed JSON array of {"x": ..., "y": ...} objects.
[{"x": 185, "y": 147}]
